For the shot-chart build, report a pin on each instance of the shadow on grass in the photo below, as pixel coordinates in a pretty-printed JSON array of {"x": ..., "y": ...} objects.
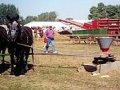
[
  {"x": 18, "y": 70},
  {"x": 4, "y": 67}
]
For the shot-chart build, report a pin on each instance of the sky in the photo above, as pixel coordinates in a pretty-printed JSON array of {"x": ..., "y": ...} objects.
[{"x": 77, "y": 9}]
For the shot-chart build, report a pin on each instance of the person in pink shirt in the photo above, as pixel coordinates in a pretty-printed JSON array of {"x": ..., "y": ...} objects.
[{"x": 49, "y": 34}]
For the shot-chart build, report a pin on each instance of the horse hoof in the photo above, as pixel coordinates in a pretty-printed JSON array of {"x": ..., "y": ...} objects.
[
  {"x": 12, "y": 73},
  {"x": 22, "y": 76},
  {"x": 3, "y": 64}
]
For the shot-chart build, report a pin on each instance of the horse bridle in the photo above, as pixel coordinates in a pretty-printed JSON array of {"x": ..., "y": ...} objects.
[{"x": 13, "y": 31}]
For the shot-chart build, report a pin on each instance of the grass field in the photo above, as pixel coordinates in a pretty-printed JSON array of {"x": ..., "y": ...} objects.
[{"x": 54, "y": 72}]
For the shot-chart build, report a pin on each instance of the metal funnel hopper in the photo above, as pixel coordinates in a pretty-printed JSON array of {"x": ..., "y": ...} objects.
[{"x": 104, "y": 43}]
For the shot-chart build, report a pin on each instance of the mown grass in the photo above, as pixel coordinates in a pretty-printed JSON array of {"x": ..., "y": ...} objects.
[{"x": 60, "y": 72}]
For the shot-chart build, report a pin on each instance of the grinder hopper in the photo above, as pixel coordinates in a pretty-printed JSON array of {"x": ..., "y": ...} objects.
[{"x": 104, "y": 43}]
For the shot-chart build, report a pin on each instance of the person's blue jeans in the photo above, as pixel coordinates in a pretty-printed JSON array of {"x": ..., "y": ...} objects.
[{"x": 49, "y": 41}]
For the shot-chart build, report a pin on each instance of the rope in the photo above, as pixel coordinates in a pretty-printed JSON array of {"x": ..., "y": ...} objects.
[
  {"x": 67, "y": 54},
  {"x": 24, "y": 45},
  {"x": 62, "y": 52}
]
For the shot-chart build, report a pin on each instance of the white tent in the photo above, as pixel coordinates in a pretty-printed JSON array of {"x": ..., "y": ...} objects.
[{"x": 57, "y": 25}]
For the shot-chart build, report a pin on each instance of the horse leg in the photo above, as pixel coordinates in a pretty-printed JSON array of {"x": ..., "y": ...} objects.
[
  {"x": 3, "y": 57},
  {"x": 22, "y": 63},
  {"x": 12, "y": 63},
  {"x": 26, "y": 58},
  {"x": 11, "y": 52},
  {"x": 17, "y": 54}
]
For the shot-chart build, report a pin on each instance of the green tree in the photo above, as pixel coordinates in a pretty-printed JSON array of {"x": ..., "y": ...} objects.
[
  {"x": 43, "y": 16},
  {"x": 93, "y": 13},
  {"x": 21, "y": 20},
  {"x": 52, "y": 16},
  {"x": 103, "y": 11},
  {"x": 47, "y": 16},
  {"x": 118, "y": 11},
  {"x": 7, "y": 10},
  {"x": 35, "y": 18},
  {"x": 111, "y": 11},
  {"x": 29, "y": 19},
  {"x": 69, "y": 19}
]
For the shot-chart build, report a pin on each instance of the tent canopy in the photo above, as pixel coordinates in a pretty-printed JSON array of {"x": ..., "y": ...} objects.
[{"x": 57, "y": 25}]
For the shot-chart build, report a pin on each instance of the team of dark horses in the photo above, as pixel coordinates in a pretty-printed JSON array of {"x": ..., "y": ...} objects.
[{"x": 18, "y": 39}]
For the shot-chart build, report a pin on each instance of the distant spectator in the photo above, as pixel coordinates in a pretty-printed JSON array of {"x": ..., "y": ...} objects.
[
  {"x": 44, "y": 38},
  {"x": 32, "y": 31},
  {"x": 35, "y": 32},
  {"x": 40, "y": 32}
]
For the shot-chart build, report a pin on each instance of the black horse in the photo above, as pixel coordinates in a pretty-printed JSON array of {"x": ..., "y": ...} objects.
[
  {"x": 20, "y": 40},
  {"x": 3, "y": 43}
]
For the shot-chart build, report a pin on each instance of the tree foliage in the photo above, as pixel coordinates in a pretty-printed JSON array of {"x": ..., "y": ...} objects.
[
  {"x": 11, "y": 10},
  {"x": 47, "y": 16},
  {"x": 7, "y": 10},
  {"x": 104, "y": 11},
  {"x": 69, "y": 19}
]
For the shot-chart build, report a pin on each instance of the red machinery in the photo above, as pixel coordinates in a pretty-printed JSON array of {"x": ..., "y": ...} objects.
[
  {"x": 78, "y": 24},
  {"x": 113, "y": 25}
]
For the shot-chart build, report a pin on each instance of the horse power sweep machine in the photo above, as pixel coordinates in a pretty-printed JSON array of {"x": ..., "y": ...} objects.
[
  {"x": 105, "y": 62},
  {"x": 104, "y": 43}
]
